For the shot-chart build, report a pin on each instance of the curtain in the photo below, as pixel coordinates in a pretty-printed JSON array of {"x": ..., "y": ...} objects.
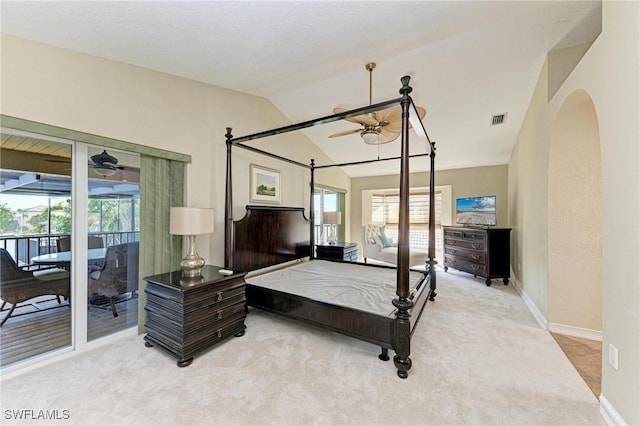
[{"x": 161, "y": 187}]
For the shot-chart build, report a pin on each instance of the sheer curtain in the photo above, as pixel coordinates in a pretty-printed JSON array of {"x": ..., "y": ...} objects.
[{"x": 161, "y": 187}]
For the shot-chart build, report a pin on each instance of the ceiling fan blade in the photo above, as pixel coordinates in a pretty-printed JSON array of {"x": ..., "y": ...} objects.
[
  {"x": 393, "y": 118},
  {"x": 387, "y": 136},
  {"x": 421, "y": 112},
  {"x": 346, "y": 132},
  {"x": 364, "y": 119},
  {"x": 58, "y": 161}
]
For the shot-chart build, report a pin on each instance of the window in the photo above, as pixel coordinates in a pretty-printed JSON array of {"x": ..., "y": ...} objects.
[
  {"x": 328, "y": 200},
  {"x": 385, "y": 210}
]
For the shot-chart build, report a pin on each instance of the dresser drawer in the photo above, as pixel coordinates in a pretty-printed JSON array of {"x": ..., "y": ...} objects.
[
  {"x": 479, "y": 245},
  {"x": 474, "y": 256},
  {"x": 464, "y": 265}
]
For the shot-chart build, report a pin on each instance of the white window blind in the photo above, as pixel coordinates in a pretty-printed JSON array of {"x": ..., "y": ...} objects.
[{"x": 385, "y": 209}]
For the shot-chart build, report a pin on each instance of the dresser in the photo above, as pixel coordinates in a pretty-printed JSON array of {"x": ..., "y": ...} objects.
[
  {"x": 347, "y": 252},
  {"x": 482, "y": 252},
  {"x": 188, "y": 315}
]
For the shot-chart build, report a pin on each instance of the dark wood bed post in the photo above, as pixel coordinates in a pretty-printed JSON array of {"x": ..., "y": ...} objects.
[
  {"x": 403, "y": 325},
  {"x": 228, "y": 209},
  {"x": 432, "y": 223},
  {"x": 312, "y": 234}
]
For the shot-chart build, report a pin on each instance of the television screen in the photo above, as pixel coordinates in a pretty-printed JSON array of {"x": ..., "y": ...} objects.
[{"x": 476, "y": 211}]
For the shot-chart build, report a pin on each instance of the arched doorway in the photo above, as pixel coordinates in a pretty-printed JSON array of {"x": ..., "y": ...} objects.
[{"x": 575, "y": 226}]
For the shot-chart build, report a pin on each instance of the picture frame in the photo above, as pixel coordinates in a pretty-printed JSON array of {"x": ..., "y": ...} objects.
[{"x": 265, "y": 185}]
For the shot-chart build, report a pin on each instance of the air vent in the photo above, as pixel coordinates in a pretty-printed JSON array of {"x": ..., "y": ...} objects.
[{"x": 498, "y": 119}]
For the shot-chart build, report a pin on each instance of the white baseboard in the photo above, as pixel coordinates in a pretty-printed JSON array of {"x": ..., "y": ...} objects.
[
  {"x": 542, "y": 321},
  {"x": 568, "y": 330},
  {"x": 607, "y": 411},
  {"x": 610, "y": 415}
]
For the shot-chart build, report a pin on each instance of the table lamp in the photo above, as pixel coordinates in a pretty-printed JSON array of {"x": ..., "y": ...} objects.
[
  {"x": 191, "y": 221},
  {"x": 332, "y": 219}
]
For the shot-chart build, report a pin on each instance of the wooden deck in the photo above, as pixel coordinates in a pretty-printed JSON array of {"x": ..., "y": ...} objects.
[{"x": 42, "y": 325}]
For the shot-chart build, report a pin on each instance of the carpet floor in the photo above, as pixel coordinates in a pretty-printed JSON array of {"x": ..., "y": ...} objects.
[{"x": 479, "y": 358}]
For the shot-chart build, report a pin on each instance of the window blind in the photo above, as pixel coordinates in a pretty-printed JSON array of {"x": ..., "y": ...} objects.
[{"x": 385, "y": 209}]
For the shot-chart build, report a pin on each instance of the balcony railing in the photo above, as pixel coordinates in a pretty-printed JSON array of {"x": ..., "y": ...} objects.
[{"x": 24, "y": 248}]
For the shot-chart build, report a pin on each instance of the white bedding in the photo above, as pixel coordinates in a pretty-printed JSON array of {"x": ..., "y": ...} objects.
[{"x": 351, "y": 285}]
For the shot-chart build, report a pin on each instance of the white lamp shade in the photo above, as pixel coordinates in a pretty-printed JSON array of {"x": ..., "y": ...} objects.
[
  {"x": 331, "y": 218},
  {"x": 191, "y": 221}
]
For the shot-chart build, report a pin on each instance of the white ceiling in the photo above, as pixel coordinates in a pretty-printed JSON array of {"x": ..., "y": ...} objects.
[{"x": 467, "y": 60}]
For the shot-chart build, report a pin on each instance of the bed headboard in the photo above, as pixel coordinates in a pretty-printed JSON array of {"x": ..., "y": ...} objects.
[{"x": 269, "y": 235}]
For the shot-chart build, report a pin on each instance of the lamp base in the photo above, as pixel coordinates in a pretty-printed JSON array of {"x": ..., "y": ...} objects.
[
  {"x": 192, "y": 264},
  {"x": 191, "y": 267}
]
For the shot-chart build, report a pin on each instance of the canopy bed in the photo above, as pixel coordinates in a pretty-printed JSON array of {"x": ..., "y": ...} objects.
[{"x": 375, "y": 303}]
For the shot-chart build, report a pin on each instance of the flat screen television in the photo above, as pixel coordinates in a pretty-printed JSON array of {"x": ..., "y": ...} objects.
[{"x": 478, "y": 211}]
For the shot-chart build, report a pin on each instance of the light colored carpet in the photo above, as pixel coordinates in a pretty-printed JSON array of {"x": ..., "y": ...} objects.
[{"x": 478, "y": 358}]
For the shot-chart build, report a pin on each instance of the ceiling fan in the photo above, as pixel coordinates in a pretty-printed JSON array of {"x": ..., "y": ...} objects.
[
  {"x": 379, "y": 127},
  {"x": 103, "y": 164}
]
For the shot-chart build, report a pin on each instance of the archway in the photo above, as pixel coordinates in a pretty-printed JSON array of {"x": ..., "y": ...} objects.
[{"x": 575, "y": 230}]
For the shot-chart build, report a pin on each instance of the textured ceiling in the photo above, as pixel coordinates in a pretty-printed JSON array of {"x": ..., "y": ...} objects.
[{"x": 468, "y": 60}]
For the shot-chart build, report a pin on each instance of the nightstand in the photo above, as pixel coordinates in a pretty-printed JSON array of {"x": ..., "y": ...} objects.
[
  {"x": 347, "y": 252},
  {"x": 188, "y": 315}
]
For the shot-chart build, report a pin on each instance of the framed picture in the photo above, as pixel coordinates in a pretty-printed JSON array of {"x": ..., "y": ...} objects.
[{"x": 265, "y": 185}]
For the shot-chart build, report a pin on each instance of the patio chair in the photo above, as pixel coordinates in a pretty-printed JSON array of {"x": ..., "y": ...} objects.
[
  {"x": 18, "y": 285},
  {"x": 64, "y": 243},
  {"x": 118, "y": 275}
]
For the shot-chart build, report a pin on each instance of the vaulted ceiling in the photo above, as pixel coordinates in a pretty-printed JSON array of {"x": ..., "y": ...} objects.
[{"x": 468, "y": 60}]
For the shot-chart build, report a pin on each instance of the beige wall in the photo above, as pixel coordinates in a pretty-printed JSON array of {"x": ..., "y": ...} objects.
[
  {"x": 490, "y": 180},
  {"x": 93, "y": 95},
  {"x": 608, "y": 73},
  {"x": 575, "y": 220}
]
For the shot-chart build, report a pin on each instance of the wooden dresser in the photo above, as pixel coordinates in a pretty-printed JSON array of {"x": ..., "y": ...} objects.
[
  {"x": 188, "y": 315},
  {"x": 482, "y": 252},
  {"x": 338, "y": 251}
]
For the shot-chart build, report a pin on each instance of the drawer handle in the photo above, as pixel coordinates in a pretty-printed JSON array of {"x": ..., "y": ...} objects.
[
  {"x": 475, "y": 256},
  {"x": 219, "y": 315},
  {"x": 476, "y": 246},
  {"x": 219, "y": 333},
  {"x": 476, "y": 267},
  {"x": 219, "y": 297}
]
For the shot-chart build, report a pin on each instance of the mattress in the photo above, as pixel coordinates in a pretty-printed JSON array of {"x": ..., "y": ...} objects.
[{"x": 351, "y": 285}]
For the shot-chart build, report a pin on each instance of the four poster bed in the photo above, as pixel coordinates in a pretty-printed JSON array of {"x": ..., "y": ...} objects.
[{"x": 375, "y": 303}]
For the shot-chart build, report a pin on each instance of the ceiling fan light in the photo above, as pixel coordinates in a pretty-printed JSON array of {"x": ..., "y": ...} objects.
[
  {"x": 104, "y": 171},
  {"x": 370, "y": 138}
]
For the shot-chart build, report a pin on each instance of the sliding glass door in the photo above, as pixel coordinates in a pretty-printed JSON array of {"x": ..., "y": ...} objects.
[
  {"x": 70, "y": 224},
  {"x": 328, "y": 200},
  {"x": 35, "y": 218},
  {"x": 113, "y": 224}
]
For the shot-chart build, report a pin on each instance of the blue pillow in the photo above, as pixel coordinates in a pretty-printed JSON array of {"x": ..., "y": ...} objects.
[{"x": 386, "y": 242}]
